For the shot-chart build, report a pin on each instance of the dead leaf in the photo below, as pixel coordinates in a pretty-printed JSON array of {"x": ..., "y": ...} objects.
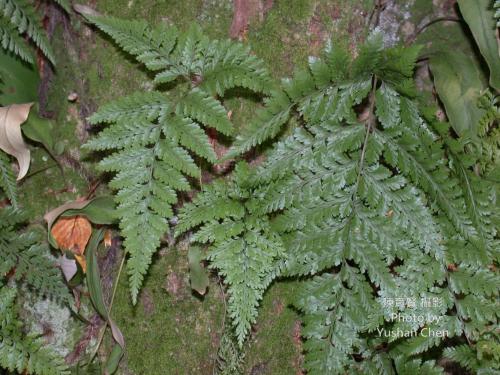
[
  {"x": 68, "y": 267},
  {"x": 51, "y": 216},
  {"x": 85, "y": 10},
  {"x": 11, "y": 139},
  {"x": 108, "y": 238},
  {"x": 73, "y": 234},
  {"x": 452, "y": 267}
]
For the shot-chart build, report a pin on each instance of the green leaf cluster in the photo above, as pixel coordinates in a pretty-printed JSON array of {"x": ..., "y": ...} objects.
[
  {"x": 370, "y": 199},
  {"x": 18, "y": 351},
  {"x": 24, "y": 261},
  {"x": 23, "y": 254},
  {"x": 159, "y": 140}
]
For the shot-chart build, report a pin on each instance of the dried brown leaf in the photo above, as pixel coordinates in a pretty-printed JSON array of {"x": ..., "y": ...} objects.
[
  {"x": 73, "y": 234},
  {"x": 11, "y": 139}
]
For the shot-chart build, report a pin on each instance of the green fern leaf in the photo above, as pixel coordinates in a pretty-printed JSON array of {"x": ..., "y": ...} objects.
[
  {"x": 22, "y": 15},
  {"x": 246, "y": 252},
  {"x": 7, "y": 179},
  {"x": 368, "y": 201},
  {"x": 155, "y": 138},
  {"x": 20, "y": 352},
  {"x": 12, "y": 42},
  {"x": 32, "y": 262}
]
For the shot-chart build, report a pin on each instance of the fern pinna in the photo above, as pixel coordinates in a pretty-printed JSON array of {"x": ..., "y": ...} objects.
[
  {"x": 156, "y": 137},
  {"x": 7, "y": 179},
  {"x": 18, "y": 18},
  {"x": 23, "y": 260},
  {"x": 393, "y": 240}
]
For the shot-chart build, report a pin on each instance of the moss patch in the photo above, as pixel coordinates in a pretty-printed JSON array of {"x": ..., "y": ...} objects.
[
  {"x": 170, "y": 330},
  {"x": 275, "y": 345}
]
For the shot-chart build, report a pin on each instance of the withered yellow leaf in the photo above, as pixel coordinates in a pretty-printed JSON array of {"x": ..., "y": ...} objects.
[
  {"x": 11, "y": 139},
  {"x": 73, "y": 234},
  {"x": 108, "y": 238}
]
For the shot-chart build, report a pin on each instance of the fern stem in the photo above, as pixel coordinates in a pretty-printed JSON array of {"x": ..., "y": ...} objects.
[
  {"x": 421, "y": 29},
  {"x": 223, "y": 326},
  {"x": 115, "y": 287},
  {"x": 40, "y": 170}
]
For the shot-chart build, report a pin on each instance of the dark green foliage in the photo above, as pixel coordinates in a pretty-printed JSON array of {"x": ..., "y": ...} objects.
[
  {"x": 29, "y": 262},
  {"x": 481, "y": 358},
  {"x": 7, "y": 179},
  {"x": 22, "y": 260},
  {"x": 11, "y": 41},
  {"x": 229, "y": 357},
  {"x": 369, "y": 201},
  {"x": 18, "y": 351},
  {"x": 158, "y": 140},
  {"x": 18, "y": 18}
]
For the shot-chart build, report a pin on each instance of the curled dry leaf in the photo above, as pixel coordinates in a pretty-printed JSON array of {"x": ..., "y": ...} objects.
[
  {"x": 68, "y": 267},
  {"x": 73, "y": 234},
  {"x": 11, "y": 139},
  {"x": 85, "y": 10},
  {"x": 108, "y": 238}
]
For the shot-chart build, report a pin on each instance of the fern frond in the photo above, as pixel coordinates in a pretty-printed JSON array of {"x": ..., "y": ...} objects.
[
  {"x": 334, "y": 314},
  {"x": 464, "y": 355},
  {"x": 242, "y": 248},
  {"x": 151, "y": 47},
  {"x": 140, "y": 105},
  {"x": 233, "y": 65},
  {"x": 417, "y": 366},
  {"x": 367, "y": 200},
  {"x": 202, "y": 107},
  {"x": 267, "y": 124},
  {"x": 481, "y": 358},
  {"x": 154, "y": 139}
]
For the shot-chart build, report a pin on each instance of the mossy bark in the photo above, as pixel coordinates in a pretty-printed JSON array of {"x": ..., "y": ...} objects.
[{"x": 171, "y": 330}]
